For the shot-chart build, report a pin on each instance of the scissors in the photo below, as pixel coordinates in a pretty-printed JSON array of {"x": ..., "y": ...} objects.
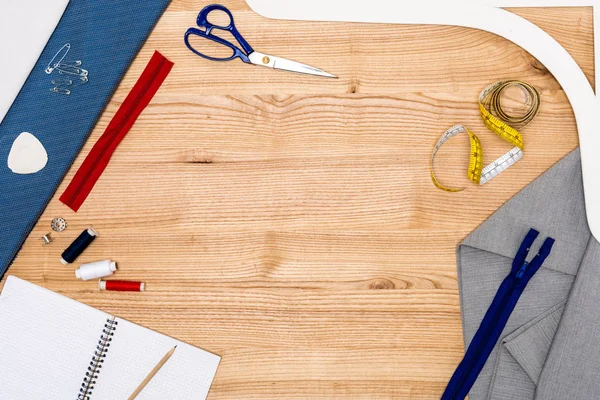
[{"x": 246, "y": 53}]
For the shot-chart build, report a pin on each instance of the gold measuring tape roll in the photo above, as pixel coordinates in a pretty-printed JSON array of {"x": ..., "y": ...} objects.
[{"x": 502, "y": 124}]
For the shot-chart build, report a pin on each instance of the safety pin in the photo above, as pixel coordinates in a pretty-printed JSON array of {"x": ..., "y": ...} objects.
[
  {"x": 62, "y": 82},
  {"x": 71, "y": 70},
  {"x": 58, "y": 58},
  {"x": 60, "y": 90},
  {"x": 61, "y": 86},
  {"x": 71, "y": 63}
]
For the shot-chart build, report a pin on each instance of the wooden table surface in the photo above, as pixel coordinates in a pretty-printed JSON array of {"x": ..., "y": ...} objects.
[{"x": 288, "y": 223}]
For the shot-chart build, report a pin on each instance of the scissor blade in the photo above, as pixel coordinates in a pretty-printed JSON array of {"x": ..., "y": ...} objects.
[
  {"x": 293, "y": 66},
  {"x": 283, "y": 64}
]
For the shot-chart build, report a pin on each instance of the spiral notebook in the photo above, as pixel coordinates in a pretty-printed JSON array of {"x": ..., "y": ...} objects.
[{"x": 53, "y": 347}]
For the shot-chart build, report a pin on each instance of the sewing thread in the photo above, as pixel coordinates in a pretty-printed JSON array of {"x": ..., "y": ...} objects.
[
  {"x": 100, "y": 269},
  {"x": 121, "y": 286},
  {"x": 78, "y": 246}
]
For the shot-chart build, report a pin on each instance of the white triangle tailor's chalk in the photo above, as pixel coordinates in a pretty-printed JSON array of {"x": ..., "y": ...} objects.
[{"x": 27, "y": 155}]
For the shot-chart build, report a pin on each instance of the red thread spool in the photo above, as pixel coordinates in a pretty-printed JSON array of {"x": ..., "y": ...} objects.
[{"x": 121, "y": 286}]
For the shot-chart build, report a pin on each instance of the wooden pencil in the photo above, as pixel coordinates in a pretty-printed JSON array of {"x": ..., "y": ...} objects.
[{"x": 154, "y": 371}]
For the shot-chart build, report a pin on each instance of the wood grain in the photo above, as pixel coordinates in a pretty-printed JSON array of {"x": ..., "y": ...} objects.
[{"x": 288, "y": 223}]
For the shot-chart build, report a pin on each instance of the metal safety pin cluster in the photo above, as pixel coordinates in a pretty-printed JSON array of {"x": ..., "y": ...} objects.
[{"x": 72, "y": 74}]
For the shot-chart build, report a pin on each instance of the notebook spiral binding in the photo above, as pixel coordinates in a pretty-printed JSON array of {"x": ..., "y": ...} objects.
[{"x": 89, "y": 382}]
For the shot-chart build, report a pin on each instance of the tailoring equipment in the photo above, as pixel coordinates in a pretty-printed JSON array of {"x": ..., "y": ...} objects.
[
  {"x": 72, "y": 72},
  {"x": 63, "y": 123},
  {"x": 121, "y": 286},
  {"x": 552, "y": 335},
  {"x": 497, "y": 316},
  {"x": 55, "y": 347},
  {"x": 27, "y": 155},
  {"x": 79, "y": 245},
  {"x": 58, "y": 224},
  {"x": 97, "y": 160},
  {"x": 499, "y": 121},
  {"x": 280, "y": 268},
  {"x": 470, "y": 14},
  {"x": 47, "y": 238},
  {"x": 246, "y": 53},
  {"x": 95, "y": 270}
]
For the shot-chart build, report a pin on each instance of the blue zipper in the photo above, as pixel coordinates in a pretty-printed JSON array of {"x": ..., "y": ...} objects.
[
  {"x": 522, "y": 271},
  {"x": 497, "y": 316}
]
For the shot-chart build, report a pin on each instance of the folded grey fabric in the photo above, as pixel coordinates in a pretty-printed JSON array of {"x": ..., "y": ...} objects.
[{"x": 550, "y": 348}]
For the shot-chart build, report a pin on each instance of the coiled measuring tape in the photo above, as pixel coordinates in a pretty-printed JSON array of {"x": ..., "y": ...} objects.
[{"x": 502, "y": 124}]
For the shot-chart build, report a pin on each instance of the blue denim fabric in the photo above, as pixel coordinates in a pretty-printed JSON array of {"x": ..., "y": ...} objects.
[{"x": 105, "y": 35}]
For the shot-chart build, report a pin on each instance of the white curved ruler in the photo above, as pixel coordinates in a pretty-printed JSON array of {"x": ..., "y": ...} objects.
[
  {"x": 486, "y": 17},
  {"x": 595, "y": 4}
]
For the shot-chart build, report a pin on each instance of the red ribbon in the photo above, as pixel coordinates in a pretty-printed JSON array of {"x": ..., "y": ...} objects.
[{"x": 97, "y": 160}]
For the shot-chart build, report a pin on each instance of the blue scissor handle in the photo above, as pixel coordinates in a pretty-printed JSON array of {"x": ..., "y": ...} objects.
[
  {"x": 237, "y": 53},
  {"x": 203, "y": 22}
]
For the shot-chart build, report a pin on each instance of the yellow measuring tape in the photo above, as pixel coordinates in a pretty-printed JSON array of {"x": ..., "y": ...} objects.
[{"x": 502, "y": 124}]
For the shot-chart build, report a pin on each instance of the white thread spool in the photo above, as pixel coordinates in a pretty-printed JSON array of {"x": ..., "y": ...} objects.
[{"x": 100, "y": 269}]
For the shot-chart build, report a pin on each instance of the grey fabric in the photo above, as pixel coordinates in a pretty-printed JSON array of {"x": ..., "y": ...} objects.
[
  {"x": 510, "y": 381},
  {"x": 551, "y": 344},
  {"x": 530, "y": 344}
]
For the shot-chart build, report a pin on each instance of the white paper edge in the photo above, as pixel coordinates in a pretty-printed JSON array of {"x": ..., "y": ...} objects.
[
  {"x": 50, "y": 11},
  {"x": 468, "y": 13}
]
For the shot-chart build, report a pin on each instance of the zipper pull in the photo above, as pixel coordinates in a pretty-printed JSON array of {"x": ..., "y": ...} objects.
[{"x": 521, "y": 272}]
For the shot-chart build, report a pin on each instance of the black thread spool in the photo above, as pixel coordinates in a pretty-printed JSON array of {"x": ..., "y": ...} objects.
[{"x": 78, "y": 246}]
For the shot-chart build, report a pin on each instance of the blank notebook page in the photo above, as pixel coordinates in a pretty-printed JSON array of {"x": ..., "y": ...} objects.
[
  {"x": 135, "y": 351},
  {"x": 47, "y": 342}
]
